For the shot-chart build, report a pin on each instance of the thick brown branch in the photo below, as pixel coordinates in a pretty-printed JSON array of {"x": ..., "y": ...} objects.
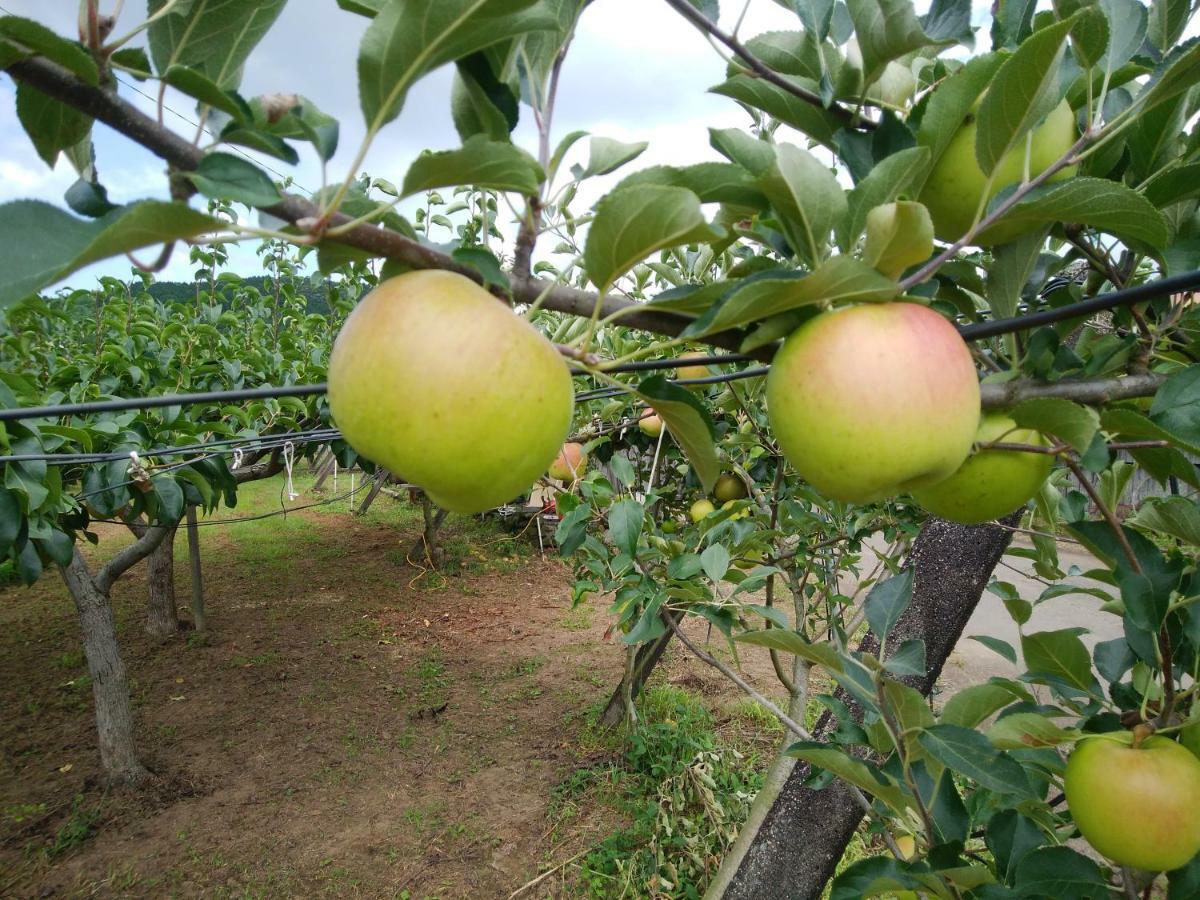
[{"x": 129, "y": 557}]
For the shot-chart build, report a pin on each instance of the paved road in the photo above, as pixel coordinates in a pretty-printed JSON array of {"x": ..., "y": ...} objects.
[{"x": 972, "y": 662}]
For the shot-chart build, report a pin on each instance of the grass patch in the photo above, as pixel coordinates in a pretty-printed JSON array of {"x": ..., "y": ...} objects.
[{"x": 683, "y": 791}]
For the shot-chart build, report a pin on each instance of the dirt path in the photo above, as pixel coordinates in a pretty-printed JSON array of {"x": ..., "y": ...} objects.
[{"x": 351, "y": 729}]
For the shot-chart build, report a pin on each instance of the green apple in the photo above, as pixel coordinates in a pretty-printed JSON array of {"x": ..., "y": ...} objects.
[
  {"x": 651, "y": 425},
  {"x": 955, "y": 188},
  {"x": 434, "y": 379},
  {"x": 729, "y": 488},
  {"x": 729, "y": 504},
  {"x": 991, "y": 483},
  {"x": 700, "y": 509},
  {"x": 875, "y": 400},
  {"x": 570, "y": 463},
  {"x": 1137, "y": 805}
]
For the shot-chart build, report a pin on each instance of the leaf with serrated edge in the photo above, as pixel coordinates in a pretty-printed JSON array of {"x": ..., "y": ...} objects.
[
  {"x": 631, "y": 224},
  {"x": 480, "y": 162}
]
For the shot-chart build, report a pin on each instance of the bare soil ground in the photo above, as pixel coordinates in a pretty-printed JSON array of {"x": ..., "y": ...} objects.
[{"x": 353, "y": 726}]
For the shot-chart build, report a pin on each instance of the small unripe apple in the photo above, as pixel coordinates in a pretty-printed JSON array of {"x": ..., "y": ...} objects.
[
  {"x": 669, "y": 526},
  {"x": 991, "y": 483},
  {"x": 875, "y": 400},
  {"x": 729, "y": 488},
  {"x": 434, "y": 379},
  {"x": 955, "y": 188},
  {"x": 1138, "y": 806},
  {"x": 749, "y": 560},
  {"x": 687, "y": 372},
  {"x": 907, "y": 845},
  {"x": 570, "y": 462},
  {"x": 651, "y": 425},
  {"x": 700, "y": 509}
]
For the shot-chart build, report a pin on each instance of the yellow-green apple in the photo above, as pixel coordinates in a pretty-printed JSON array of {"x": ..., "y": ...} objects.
[
  {"x": 687, "y": 372},
  {"x": 651, "y": 425},
  {"x": 955, "y": 188},
  {"x": 570, "y": 462},
  {"x": 991, "y": 483},
  {"x": 874, "y": 400},
  {"x": 700, "y": 509},
  {"x": 741, "y": 514},
  {"x": 434, "y": 379},
  {"x": 729, "y": 488},
  {"x": 1138, "y": 805}
]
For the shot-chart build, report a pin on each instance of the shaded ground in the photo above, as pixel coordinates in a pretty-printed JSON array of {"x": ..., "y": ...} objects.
[{"x": 354, "y": 726}]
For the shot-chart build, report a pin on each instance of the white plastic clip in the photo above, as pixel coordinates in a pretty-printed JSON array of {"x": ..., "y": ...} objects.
[
  {"x": 138, "y": 475},
  {"x": 237, "y": 458},
  {"x": 289, "y": 458}
]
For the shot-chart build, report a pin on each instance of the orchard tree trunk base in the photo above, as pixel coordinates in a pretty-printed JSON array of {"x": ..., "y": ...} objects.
[
  {"x": 162, "y": 610},
  {"x": 802, "y": 837},
  {"x": 110, "y": 682},
  {"x": 647, "y": 658}
]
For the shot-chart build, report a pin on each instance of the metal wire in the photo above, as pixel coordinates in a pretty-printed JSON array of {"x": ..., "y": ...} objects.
[{"x": 1148, "y": 291}]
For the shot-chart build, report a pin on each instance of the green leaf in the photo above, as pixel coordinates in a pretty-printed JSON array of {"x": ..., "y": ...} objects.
[
  {"x": 880, "y": 876},
  {"x": 1060, "y": 872},
  {"x": 40, "y": 40},
  {"x": 410, "y": 38},
  {"x": 607, "y": 155},
  {"x": 689, "y": 424},
  {"x": 1021, "y": 94},
  {"x": 1060, "y": 655},
  {"x": 1145, "y": 607},
  {"x": 1184, "y": 883},
  {"x": 1130, "y": 423},
  {"x": 1012, "y": 265},
  {"x": 1023, "y": 730},
  {"x": 1178, "y": 72},
  {"x": 1089, "y": 36},
  {"x": 1167, "y": 21},
  {"x": 908, "y": 659},
  {"x": 951, "y": 103},
  {"x": 715, "y": 561},
  {"x": 897, "y": 174},
  {"x": 29, "y": 566},
  {"x": 752, "y": 154},
  {"x": 1073, "y": 423},
  {"x": 997, "y": 646},
  {"x": 972, "y": 705},
  {"x": 887, "y": 601},
  {"x": 712, "y": 182},
  {"x": 480, "y": 162},
  {"x": 200, "y": 87},
  {"x": 60, "y": 547},
  {"x": 170, "y": 500},
  {"x": 476, "y": 107},
  {"x": 1126, "y": 29},
  {"x": 814, "y": 121},
  {"x": 1178, "y": 517},
  {"x": 806, "y": 197},
  {"x": 625, "y": 520},
  {"x": 866, "y": 778},
  {"x": 40, "y": 244},
  {"x": 823, "y": 655},
  {"x": 52, "y": 126},
  {"x": 969, "y": 753},
  {"x": 262, "y": 141},
  {"x": 1176, "y": 406},
  {"x": 223, "y": 176},
  {"x": 135, "y": 61},
  {"x": 631, "y": 224},
  {"x": 1173, "y": 185},
  {"x": 840, "y": 279},
  {"x": 214, "y": 37},
  {"x": 10, "y": 520},
  {"x": 886, "y": 30}
]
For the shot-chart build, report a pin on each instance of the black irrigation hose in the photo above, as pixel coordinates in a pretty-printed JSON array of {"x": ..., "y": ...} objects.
[
  {"x": 1148, "y": 291},
  {"x": 262, "y": 441}
]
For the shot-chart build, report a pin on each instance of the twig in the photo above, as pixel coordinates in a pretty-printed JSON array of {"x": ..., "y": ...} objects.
[{"x": 562, "y": 865}]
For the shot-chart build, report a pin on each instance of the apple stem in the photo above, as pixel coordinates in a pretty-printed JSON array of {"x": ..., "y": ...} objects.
[{"x": 1140, "y": 732}]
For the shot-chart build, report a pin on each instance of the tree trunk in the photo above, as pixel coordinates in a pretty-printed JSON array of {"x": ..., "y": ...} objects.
[
  {"x": 802, "y": 837},
  {"x": 110, "y": 684},
  {"x": 162, "y": 613},
  {"x": 426, "y": 546},
  {"x": 199, "y": 616},
  {"x": 647, "y": 658}
]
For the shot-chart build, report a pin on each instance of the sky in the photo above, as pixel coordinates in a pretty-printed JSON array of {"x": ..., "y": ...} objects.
[{"x": 635, "y": 72}]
